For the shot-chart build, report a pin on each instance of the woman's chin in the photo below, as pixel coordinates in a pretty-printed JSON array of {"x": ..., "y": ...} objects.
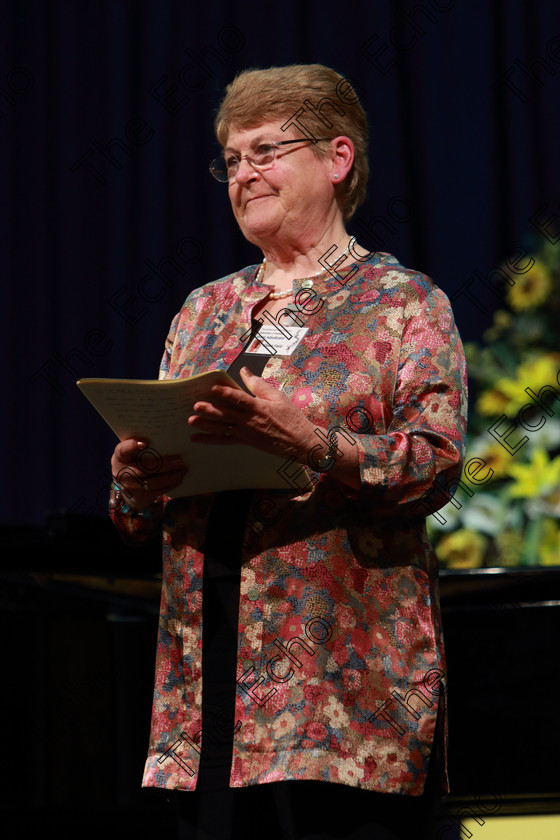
[{"x": 261, "y": 228}]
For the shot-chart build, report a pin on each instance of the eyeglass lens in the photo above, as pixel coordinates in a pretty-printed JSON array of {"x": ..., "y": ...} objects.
[{"x": 227, "y": 165}]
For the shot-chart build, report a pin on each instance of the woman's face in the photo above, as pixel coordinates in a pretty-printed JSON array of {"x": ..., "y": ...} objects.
[{"x": 291, "y": 202}]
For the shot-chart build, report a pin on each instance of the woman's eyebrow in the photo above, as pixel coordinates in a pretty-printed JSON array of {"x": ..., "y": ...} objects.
[{"x": 258, "y": 139}]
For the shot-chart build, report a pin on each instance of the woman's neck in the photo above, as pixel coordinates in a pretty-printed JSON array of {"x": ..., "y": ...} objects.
[{"x": 282, "y": 268}]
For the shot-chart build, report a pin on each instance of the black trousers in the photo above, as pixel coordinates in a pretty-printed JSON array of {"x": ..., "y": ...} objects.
[
  {"x": 293, "y": 810},
  {"x": 299, "y": 810}
]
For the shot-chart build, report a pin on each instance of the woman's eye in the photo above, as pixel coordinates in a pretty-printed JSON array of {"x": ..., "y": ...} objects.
[
  {"x": 231, "y": 161},
  {"x": 263, "y": 149}
]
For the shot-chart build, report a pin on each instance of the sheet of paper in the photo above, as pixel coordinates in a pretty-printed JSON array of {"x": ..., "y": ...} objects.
[
  {"x": 129, "y": 406},
  {"x": 158, "y": 410}
]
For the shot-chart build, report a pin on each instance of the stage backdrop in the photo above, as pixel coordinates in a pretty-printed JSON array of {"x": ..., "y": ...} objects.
[{"x": 109, "y": 216}]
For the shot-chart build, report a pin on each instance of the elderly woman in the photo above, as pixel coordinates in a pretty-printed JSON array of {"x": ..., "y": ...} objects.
[{"x": 300, "y": 667}]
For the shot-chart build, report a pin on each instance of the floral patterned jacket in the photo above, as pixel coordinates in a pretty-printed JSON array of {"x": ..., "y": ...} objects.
[{"x": 340, "y": 653}]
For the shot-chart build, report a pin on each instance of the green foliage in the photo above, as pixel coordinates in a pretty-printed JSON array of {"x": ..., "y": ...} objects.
[{"x": 514, "y": 518}]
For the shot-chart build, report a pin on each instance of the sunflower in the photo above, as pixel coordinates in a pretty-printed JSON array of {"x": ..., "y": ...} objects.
[
  {"x": 462, "y": 549},
  {"x": 532, "y": 288}
]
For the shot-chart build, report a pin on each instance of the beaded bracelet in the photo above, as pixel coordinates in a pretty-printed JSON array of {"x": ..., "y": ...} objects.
[{"x": 147, "y": 513}]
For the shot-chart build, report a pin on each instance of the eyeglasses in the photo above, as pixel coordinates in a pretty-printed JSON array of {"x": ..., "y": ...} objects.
[{"x": 225, "y": 166}]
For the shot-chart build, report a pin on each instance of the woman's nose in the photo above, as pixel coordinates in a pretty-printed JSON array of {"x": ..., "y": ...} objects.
[{"x": 245, "y": 172}]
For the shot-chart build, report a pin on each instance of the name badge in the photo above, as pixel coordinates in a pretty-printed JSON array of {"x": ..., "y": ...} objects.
[{"x": 271, "y": 341}]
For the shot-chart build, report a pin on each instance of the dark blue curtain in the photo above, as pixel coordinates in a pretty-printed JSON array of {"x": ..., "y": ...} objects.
[{"x": 109, "y": 216}]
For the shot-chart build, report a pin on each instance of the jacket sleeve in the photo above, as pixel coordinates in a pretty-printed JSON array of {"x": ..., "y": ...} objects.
[
  {"x": 413, "y": 467},
  {"x": 136, "y": 527}
]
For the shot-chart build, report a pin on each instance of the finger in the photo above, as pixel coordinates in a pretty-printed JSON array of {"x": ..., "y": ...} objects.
[
  {"x": 145, "y": 460},
  {"x": 247, "y": 377},
  {"x": 172, "y": 463},
  {"x": 227, "y": 397},
  {"x": 259, "y": 386},
  {"x": 161, "y": 483},
  {"x": 214, "y": 425},
  {"x": 208, "y": 410},
  {"x": 136, "y": 470},
  {"x": 127, "y": 450},
  {"x": 163, "y": 474},
  {"x": 140, "y": 486}
]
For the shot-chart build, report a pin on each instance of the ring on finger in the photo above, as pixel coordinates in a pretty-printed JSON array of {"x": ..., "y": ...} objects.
[{"x": 145, "y": 485}]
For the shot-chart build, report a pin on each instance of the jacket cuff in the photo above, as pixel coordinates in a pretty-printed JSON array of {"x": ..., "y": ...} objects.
[{"x": 135, "y": 526}]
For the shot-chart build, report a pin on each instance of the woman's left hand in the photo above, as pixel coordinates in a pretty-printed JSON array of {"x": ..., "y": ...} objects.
[{"x": 268, "y": 421}]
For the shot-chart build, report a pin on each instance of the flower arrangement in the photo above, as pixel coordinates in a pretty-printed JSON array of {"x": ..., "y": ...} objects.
[{"x": 514, "y": 518}]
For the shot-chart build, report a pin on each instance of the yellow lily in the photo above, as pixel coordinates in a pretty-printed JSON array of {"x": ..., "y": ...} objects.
[{"x": 537, "y": 478}]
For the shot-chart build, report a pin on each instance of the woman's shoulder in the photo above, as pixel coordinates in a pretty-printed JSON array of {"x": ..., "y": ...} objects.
[
  {"x": 240, "y": 278},
  {"x": 203, "y": 302},
  {"x": 384, "y": 271}
]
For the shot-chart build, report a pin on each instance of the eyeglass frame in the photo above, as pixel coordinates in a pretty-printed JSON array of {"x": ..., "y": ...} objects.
[{"x": 275, "y": 144}]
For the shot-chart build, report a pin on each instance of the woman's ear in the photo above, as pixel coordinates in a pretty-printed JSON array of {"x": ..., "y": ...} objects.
[{"x": 342, "y": 151}]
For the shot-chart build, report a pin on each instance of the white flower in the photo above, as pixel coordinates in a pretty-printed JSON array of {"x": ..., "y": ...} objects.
[
  {"x": 348, "y": 771},
  {"x": 334, "y": 711},
  {"x": 284, "y": 725},
  {"x": 547, "y": 437},
  {"x": 485, "y": 513}
]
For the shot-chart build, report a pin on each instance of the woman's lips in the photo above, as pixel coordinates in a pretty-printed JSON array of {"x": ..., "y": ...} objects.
[{"x": 256, "y": 197}]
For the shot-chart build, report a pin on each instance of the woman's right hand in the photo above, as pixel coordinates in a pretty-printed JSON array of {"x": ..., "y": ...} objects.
[{"x": 143, "y": 474}]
